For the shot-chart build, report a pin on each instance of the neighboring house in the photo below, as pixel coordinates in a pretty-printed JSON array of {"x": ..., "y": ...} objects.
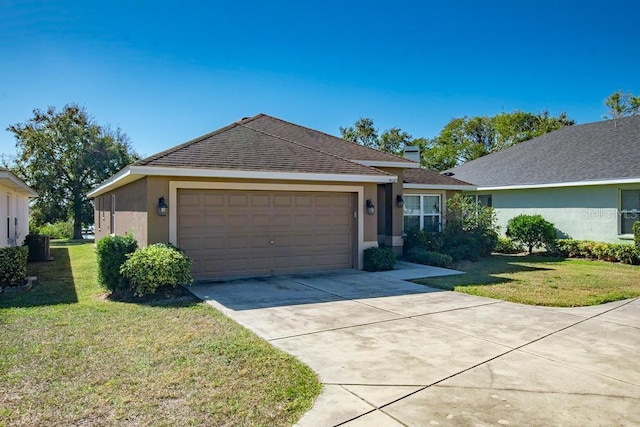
[
  {"x": 14, "y": 205},
  {"x": 584, "y": 178}
]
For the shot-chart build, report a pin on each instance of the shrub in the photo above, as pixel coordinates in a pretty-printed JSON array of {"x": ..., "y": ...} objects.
[
  {"x": 612, "y": 252},
  {"x": 636, "y": 234},
  {"x": 507, "y": 246},
  {"x": 156, "y": 266},
  {"x": 422, "y": 256},
  {"x": 58, "y": 230},
  {"x": 379, "y": 259},
  {"x": 13, "y": 265},
  {"x": 427, "y": 240},
  {"x": 532, "y": 231},
  {"x": 111, "y": 253}
]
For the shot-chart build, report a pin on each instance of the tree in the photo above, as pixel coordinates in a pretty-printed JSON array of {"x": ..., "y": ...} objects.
[
  {"x": 364, "y": 133},
  {"x": 63, "y": 155},
  {"x": 531, "y": 230},
  {"x": 467, "y": 138},
  {"x": 622, "y": 105}
]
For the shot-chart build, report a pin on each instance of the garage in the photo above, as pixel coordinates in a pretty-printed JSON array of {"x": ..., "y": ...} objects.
[{"x": 232, "y": 233}]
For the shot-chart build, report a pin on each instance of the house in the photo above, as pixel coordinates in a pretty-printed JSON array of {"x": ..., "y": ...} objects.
[
  {"x": 585, "y": 179},
  {"x": 264, "y": 196},
  {"x": 14, "y": 203}
]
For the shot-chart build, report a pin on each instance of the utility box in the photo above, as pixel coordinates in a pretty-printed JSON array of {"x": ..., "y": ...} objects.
[{"x": 39, "y": 249}]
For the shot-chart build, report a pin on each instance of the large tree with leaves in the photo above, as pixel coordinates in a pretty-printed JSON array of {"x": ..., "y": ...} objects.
[
  {"x": 364, "y": 133},
  {"x": 64, "y": 154},
  {"x": 467, "y": 138},
  {"x": 622, "y": 104}
]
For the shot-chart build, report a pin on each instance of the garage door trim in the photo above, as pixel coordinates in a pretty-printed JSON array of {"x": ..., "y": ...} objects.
[{"x": 175, "y": 185}]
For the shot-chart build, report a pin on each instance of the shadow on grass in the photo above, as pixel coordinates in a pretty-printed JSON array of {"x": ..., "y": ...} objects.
[
  {"x": 485, "y": 271},
  {"x": 55, "y": 284},
  {"x": 69, "y": 242}
]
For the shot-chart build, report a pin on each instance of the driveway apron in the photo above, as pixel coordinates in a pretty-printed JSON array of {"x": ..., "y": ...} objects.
[{"x": 393, "y": 353}]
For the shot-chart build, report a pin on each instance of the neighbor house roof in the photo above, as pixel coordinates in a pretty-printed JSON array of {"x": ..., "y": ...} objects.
[
  {"x": 263, "y": 147},
  {"x": 428, "y": 179},
  {"x": 10, "y": 180},
  {"x": 592, "y": 153}
]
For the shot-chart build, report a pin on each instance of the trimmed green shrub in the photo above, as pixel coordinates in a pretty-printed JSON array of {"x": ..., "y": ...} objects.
[
  {"x": 156, "y": 266},
  {"x": 58, "y": 230},
  {"x": 13, "y": 265},
  {"x": 422, "y": 256},
  {"x": 532, "y": 231},
  {"x": 379, "y": 259},
  {"x": 636, "y": 234},
  {"x": 507, "y": 246},
  {"x": 612, "y": 252},
  {"x": 111, "y": 253}
]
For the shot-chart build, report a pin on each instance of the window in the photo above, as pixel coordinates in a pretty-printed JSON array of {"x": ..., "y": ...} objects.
[
  {"x": 485, "y": 200},
  {"x": 112, "y": 222},
  {"x": 629, "y": 210},
  {"x": 422, "y": 212}
]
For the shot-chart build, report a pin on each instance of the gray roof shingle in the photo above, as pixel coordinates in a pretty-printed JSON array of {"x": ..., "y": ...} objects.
[
  {"x": 425, "y": 176},
  {"x": 263, "y": 143},
  {"x": 605, "y": 150}
]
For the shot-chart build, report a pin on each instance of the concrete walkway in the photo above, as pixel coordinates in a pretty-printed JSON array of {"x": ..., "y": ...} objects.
[{"x": 393, "y": 353}]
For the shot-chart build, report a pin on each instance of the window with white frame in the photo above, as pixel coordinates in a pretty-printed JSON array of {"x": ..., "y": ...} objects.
[
  {"x": 629, "y": 210},
  {"x": 422, "y": 212}
]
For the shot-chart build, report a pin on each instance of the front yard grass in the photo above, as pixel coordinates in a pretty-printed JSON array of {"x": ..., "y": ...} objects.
[
  {"x": 68, "y": 356},
  {"x": 537, "y": 280}
]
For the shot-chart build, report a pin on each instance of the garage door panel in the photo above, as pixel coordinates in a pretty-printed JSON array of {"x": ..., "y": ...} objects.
[{"x": 229, "y": 233}]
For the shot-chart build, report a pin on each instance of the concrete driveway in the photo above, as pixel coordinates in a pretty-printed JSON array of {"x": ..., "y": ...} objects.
[{"x": 393, "y": 353}]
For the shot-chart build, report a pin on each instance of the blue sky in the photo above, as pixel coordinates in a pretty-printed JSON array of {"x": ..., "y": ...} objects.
[{"x": 167, "y": 72}]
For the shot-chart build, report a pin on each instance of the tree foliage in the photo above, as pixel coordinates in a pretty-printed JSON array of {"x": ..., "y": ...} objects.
[
  {"x": 532, "y": 231},
  {"x": 364, "y": 133},
  {"x": 467, "y": 138},
  {"x": 622, "y": 104},
  {"x": 62, "y": 156}
]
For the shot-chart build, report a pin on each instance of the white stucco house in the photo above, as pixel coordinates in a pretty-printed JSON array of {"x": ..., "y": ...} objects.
[
  {"x": 584, "y": 178},
  {"x": 14, "y": 206}
]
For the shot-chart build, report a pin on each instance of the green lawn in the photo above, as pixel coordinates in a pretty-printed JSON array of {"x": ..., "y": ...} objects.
[
  {"x": 68, "y": 356},
  {"x": 537, "y": 280}
]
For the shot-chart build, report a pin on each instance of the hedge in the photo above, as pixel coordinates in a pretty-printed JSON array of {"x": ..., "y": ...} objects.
[
  {"x": 378, "y": 259},
  {"x": 13, "y": 265},
  {"x": 612, "y": 252},
  {"x": 111, "y": 253}
]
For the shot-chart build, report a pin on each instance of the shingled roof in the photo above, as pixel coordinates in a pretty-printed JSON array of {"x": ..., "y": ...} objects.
[
  {"x": 425, "y": 177},
  {"x": 264, "y": 143},
  {"x": 600, "y": 151}
]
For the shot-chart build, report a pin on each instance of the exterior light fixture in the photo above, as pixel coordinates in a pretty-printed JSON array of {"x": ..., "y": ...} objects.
[
  {"x": 399, "y": 201},
  {"x": 371, "y": 208},
  {"x": 162, "y": 207}
]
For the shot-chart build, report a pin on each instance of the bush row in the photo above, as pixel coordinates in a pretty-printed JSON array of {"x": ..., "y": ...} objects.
[
  {"x": 58, "y": 230},
  {"x": 422, "y": 256},
  {"x": 612, "y": 252},
  {"x": 13, "y": 265},
  {"x": 636, "y": 234},
  {"x": 123, "y": 268}
]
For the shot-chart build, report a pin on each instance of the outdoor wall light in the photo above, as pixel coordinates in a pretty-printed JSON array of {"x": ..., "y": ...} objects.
[
  {"x": 162, "y": 207},
  {"x": 399, "y": 201},
  {"x": 371, "y": 208}
]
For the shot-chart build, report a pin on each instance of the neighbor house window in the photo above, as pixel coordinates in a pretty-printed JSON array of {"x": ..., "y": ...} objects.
[
  {"x": 629, "y": 210},
  {"x": 422, "y": 212},
  {"x": 485, "y": 200}
]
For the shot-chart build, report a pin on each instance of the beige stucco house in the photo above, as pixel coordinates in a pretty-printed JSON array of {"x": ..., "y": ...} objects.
[
  {"x": 14, "y": 204},
  {"x": 585, "y": 179},
  {"x": 264, "y": 196}
]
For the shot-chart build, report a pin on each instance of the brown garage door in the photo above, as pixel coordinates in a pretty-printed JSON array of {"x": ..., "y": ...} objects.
[{"x": 241, "y": 233}]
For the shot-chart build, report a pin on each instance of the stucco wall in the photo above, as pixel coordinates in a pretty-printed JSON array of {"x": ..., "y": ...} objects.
[
  {"x": 17, "y": 208},
  {"x": 587, "y": 212},
  {"x": 130, "y": 212}
]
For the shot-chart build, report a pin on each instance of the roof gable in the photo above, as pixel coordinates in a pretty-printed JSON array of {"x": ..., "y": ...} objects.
[{"x": 600, "y": 151}]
